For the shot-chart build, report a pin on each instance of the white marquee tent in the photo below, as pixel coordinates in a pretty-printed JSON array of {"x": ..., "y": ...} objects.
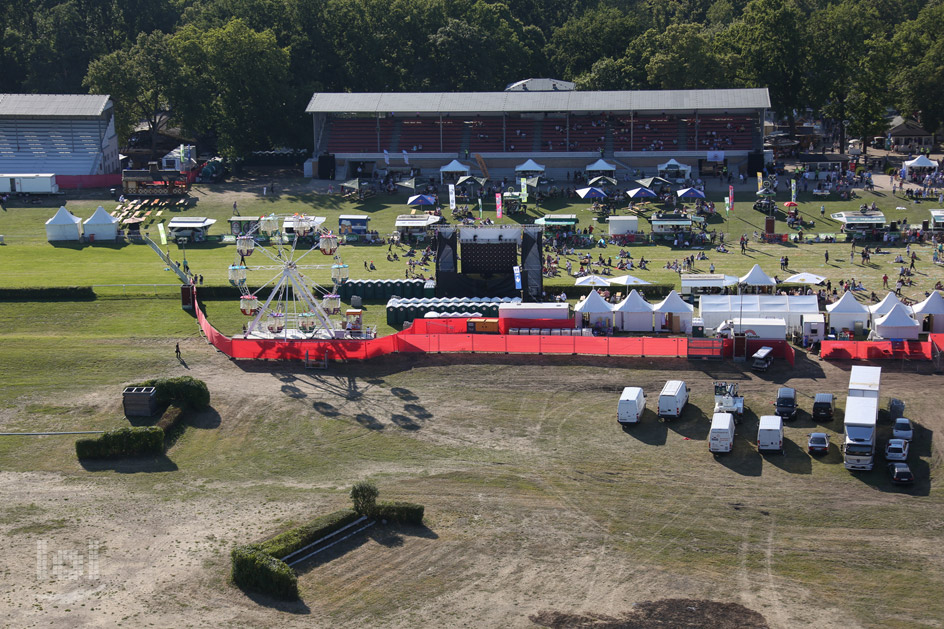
[
  {"x": 674, "y": 169},
  {"x": 63, "y": 226},
  {"x": 897, "y": 324},
  {"x": 756, "y": 277},
  {"x": 529, "y": 166},
  {"x": 634, "y": 314},
  {"x": 600, "y": 166},
  {"x": 919, "y": 162},
  {"x": 933, "y": 306},
  {"x": 455, "y": 166},
  {"x": 844, "y": 313},
  {"x": 715, "y": 309},
  {"x": 676, "y": 315},
  {"x": 885, "y": 306},
  {"x": 596, "y": 309},
  {"x": 101, "y": 226},
  {"x": 620, "y": 225}
]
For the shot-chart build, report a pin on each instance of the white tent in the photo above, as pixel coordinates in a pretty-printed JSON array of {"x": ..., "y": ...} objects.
[
  {"x": 885, "y": 306},
  {"x": 529, "y": 166},
  {"x": 756, "y": 277},
  {"x": 676, "y": 314},
  {"x": 933, "y": 306},
  {"x": 63, "y": 226},
  {"x": 672, "y": 166},
  {"x": 620, "y": 225},
  {"x": 897, "y": 324},
  {"x": 600, "y": 166},
  {"x": 844, "y": 313},
  {"x": 920, "y": 162},
  {"x": 101, "y": 226},
  {"x": 633, "y": 314},
  {"x": 596, "y": 309},
  {"x": 455, "y": 166},
  {"x": 714, "y": 309},
  {"x": 805, "y": 278}
]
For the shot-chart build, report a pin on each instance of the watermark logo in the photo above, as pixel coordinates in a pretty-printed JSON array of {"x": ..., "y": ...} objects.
[{"x": 67, "y": 564}]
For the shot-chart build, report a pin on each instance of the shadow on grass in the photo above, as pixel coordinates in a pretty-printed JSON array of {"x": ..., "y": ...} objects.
[
  {"x": 140, "y": 465},
  {"x": 794, "y": 459},
  {"x": 743, "y": 458},
  {"x": 649, "y": 430},
  {"x": 386, "y": 535},
  {"x": 693, "y": 424},
  {"x": 878, "y": 478},
  {"x": 298, "y": 608}
]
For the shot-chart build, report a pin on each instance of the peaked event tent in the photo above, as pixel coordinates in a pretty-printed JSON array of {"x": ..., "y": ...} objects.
[
  {"x": 101, "y": 226},
  {"x": 592, "y": 280},
  {"x": 805, "y": 278},
  {"x": 673, "y": 166},
  {"x": 591, "y": 193},
  {"x": 897, "y": 324},
  {"x": 919, "y": 162},
  {"x": 933, "y": 306},
  {"x": 756, "y": 277},
  {"x": 885, "y": 306},
  {"x": 844, "y": 313},
  {"x": 455, "y": 166},
  {"x": 633, "y": 314},
  {"x": 529, "y": 166},
  {"x": 596, "y": 309},
  {"x": 676, "y": 314},
  {"x": 63, "y": 226},
  {"x": 600, "y": 166}
]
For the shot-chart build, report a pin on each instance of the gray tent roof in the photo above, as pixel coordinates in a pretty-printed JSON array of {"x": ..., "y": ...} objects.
[{"x": 52, "y": 105}]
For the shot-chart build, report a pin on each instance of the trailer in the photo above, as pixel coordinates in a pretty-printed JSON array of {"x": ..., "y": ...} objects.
[
  {"x": 727, "y": 399},
  {"x": 535, "y": 311},
  {"x": 29, "y": 184}
]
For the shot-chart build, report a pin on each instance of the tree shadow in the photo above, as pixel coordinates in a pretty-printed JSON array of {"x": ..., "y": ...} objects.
[
  {"x": 649, "y": 430},
  {"x": 139, "y": 465},
  {"x": 794, "y": 459},
  {"x": 207, "y": 419}
]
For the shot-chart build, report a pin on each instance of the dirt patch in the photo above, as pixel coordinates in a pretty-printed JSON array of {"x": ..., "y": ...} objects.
[{"x": 668, "y": 613}]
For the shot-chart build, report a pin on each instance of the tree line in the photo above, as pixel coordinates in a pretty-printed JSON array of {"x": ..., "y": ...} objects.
[{"x": 240, "y": 72}]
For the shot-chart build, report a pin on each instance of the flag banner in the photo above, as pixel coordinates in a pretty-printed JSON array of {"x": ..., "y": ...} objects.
[
  {"x": 452, "y": 196},
  {"x": 498, "y": 207},
  {"x": 517, "y": 270},
  {"x": 760, "y": 181},
  {"x": 793, "y": 190},
  {"x": 160, "y": 228},
  {"x": 716, "y": 156},
  {"x": 727, "y": 205},
  {"x": 406, "y": 158},
  {"x": 731, "y": 197},
  {"x": 524, "y": 189},
  {"x": 386, "y": 157},
  {"x": 480, "y": 207}
]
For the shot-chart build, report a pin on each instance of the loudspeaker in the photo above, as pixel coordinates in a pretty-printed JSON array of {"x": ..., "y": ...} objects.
[
  {"x": 326, "y": 166},
  {"x": 755, "y": 162},
  {"x": 446, "y": 250},
  {"x": 532, "y": 278}
]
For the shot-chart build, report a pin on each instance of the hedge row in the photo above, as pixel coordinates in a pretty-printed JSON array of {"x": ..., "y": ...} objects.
[
  {"x": 58, "y": 293},
  {"x": 140, "y": 441},
  {"x": 294, "y": 539},
  {"x": 185, "y": 392},
  {"x": 401, "y": 512},
  {"x": 253, "y": 568}
]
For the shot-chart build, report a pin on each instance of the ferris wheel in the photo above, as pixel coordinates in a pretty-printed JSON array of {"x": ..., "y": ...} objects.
[{"x": 289, "y": 305}]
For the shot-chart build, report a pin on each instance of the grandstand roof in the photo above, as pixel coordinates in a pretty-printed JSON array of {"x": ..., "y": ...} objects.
[
  {"x": 520, "y": 101},
  {"x": 52, "y": 105}
]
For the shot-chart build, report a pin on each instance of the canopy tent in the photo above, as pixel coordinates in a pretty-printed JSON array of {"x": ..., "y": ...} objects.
[
  {"x": 406, "y": 221},
  {"x": 63, "y": 226},
  {"x": 595, "y": 309},
  {"x": 933, "y": 306},
  {"x": 673, "y": 314},
  {"x": 592, "y": 280},
  {"x": 756, "y": 277},
  {"x": 101, "y": 226},
  {"x": 919, "y": 162},
  {"x": 674, "y": 170},
  {"x": 623, "y": 225},
  {"x": 896, "y": 324},
  {"x": 628, "y": 280},
  {"x": 641, "y": 193},
  {"x": 529, "y": 166},
  {"x": 805, "y": 278},
  {"x": 633, "y": 314},
  {"x": 714, "y": 309},
  {"x": 355, "y": 184},
  {"x": 601, "y": 180},
  {"x": 766, "y": 193},
  {"x": 409, "y": 183},
  {"x": 648, "y": 182},
  {"x": 600, "y": 166},
  {"x": 844, "y": 313},
  {"x": 455, "y": 166},
  {"x": 690, "y": 193},
  {"x": 591, "y": 193},
  {"x": 421, "y": 199},
  {"x": 557, "y": 219},
  {"x": 885, "y": 306}
]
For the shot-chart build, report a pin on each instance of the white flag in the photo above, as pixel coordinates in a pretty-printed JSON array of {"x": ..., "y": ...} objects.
[
  {"x": 406, "y": 158},
  {"x": 386, "y": 157},
  {"x": 452, "y": 196}
]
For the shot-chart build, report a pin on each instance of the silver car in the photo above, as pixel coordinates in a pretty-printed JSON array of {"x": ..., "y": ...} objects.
[
  {"x": 896, "y": 450},
  {"x": 903, "y": 429}
]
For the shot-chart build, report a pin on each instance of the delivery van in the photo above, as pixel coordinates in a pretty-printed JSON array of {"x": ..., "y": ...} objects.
[
  {"x": 632, "y": 404},
  {"x": 770, "y": 434},
  {"x": 721, "y": 436},
  {"x": 762, "y": 358},
  {"x": 673, "y": 399}
]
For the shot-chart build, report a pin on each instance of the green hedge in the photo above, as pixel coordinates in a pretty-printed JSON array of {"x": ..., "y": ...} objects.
[
  {"x": 254, "y": 569},
  {"x": 58, "y": 293},
  {"x": 141, "y": 441},
  {"x": 288, "y": 542},
  {"x": 402, "y": 512},
  {"x": 184, "y": 391}
]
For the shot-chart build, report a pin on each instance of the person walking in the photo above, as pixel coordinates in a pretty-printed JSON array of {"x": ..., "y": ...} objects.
[
  {"x": 885, "y": 281},
  {"x": 912, "y": 267},
  {"x": 177, "y": 351},
  {"x": 826, "y": 255},
  {"x": 822, "y": 211}
]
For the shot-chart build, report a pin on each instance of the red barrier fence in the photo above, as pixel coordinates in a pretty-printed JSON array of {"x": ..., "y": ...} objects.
[
  {"x": 876, "y": 350},
  {"x": 75, "y": 182},
  {"x": 782, "y": 349}
]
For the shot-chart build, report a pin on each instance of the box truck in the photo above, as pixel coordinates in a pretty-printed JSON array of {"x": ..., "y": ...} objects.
[
  {"x": 632, "y": 404},
  {"x": 865, "y": 382},
  {"x": 860, "y": 426},
  {"x": 673, "y": 399},
  {"x": 721, "y": 435}
]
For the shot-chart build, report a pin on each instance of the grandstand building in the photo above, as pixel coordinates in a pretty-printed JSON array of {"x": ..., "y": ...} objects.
[
  {"x": 562, "y": 129},
  {"x": 63, "y": 134}
]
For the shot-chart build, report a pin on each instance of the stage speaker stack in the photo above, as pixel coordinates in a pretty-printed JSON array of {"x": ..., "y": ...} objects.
[
  {"x": 532, "y": 279},
  {"x": 326, "y": 166},
  {"x": 447, "y": 258}
]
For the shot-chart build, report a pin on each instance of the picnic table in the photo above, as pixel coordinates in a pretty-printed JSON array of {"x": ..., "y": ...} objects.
[{"x": 821, "y": 193}]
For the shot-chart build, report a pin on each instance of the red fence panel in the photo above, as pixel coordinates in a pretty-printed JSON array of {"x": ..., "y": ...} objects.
[{"x": 75, "y": 182}]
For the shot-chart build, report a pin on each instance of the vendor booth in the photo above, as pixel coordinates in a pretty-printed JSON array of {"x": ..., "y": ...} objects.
[
  {"x": 867, "y": 221},
  {"x": 694, "y": 284},
  {"x": 191, "y": 227},
  {"x": 304, "y": 225},
  {"x": 353, "y": 224},
  {"x": 414, "y": 228},
  {"x": 768, "y": 329},
  {"x": 675, "y": 171},
  {"x": 937, "y": 220},
  {"x": 453, "y": 170},
  {"x": 63, "y": 226},
  {"x": 930, "y": 312},
  {"x": 672, "y": 314},
  {"x": 633, "y": 314},
  {"x": 896, "y": 324},
  {"x": 601, "y": 167},
  {"x": 714, "y": 309},
  {"x": 758, "y": 280},
  {"x": 920, "y": 162},
  {"x": 814, "y": 327},
  {"x": 885, "y": 306},
  {"x": 594, "y": 311},
  {"x": 845, "y": 313},
  {"x": 621, "y": 225},
  {"x": 101, "y": 226},
  {"x": 529, "y": 167}
]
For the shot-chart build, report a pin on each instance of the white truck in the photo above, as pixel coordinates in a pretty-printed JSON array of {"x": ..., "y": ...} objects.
[
  {"x": 860, "y": 426},
  {"x": 865, "y": 382},
  {"x": 727, "y": 399}
]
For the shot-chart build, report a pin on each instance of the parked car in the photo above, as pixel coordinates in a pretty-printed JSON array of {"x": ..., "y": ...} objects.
[
  {"x": 818, "y": 443},
  {"x": 903, "y": 429},
  {"x": 823, "y": 407},
  {"x": 896, "y": 450},
  {"x": 786, "y": 402},
  {"x": 900, "y": 473}
]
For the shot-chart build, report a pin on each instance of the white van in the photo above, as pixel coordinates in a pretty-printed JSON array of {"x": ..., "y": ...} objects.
[
  {"x": 673, "y": 398},
  {"x": 721, "y": 436},
  {"x": 632, "y": 404},
  {"x": 770, "y": 434}
]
